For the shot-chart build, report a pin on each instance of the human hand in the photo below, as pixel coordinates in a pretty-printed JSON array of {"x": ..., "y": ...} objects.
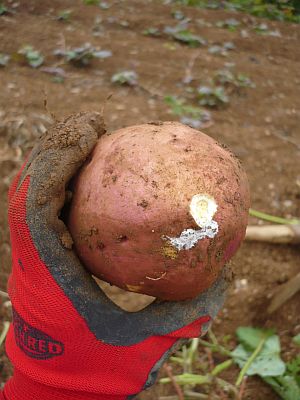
[{"x": 68, "y": 340}]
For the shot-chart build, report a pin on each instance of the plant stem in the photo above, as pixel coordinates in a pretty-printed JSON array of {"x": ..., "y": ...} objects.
[
  {"x": 215, "y": 347},
  {"x": 250, "y": 360},
  {"x": 189, "y": 379},
  {"x": 4, "y": 332},
  {"x": 242, "y": 388},
  {"x": 195, "y": 395},
  {"x": 221, "y": 367},
  {"x": 273, "y": 218},
  {"x": 213, "y": 337},
  {"x": 226, "y": 386}
]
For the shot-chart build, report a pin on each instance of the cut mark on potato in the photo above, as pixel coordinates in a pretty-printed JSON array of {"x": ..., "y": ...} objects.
[
  {"x": 202, "y": 208},
  {"x": 163, "y": 274}
]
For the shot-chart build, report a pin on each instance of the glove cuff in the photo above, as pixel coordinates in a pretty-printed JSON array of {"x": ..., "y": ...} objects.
[{"x": 20, "y": 387}]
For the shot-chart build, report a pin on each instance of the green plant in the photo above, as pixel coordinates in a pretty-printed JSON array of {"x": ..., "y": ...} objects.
[
  {"x": 227, "y": 77},
  {"x": 258, "y": 353},
  {"x": 221, "y": 49},
  {"x": 152, "y": 32},
  {"x": 64, "y": 15},
  {"x": 296, "y": 339},
  {"x": 282, "y": 10},
  {"x": 3, "y": 9},
  {"x": 230, "y": 24},
  {"x": 91, "y": 2},
  {"x": 212, "y": 96},
  {"x": 178, "y": 14},
  {"x": 30, "y": 56},
  {"x": 129, "y": 78},
  {"x": 190, "y": 115},
  {"x": 276, "y": 220},
  {"x": 102, "y": 4},
  {"x": 188, "y": 358},
  {"x": 189, "y": 38},
  {"x": 82, "y": 56},
  {"x": 4, "y": 58},
  {"x": 183, "y": 35}
]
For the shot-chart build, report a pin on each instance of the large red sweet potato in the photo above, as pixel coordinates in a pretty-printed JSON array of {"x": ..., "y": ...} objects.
[{"x": 159, "y": 209}]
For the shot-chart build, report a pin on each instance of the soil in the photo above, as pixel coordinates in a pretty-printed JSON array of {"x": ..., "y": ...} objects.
[{"x": 260, "y": 125}]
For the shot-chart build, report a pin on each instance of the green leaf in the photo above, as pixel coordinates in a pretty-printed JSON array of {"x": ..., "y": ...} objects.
[
  {"x": 64, "y": 15},
  {"x": 285, "y": 386},
  {"x": 152, "y": 32},
  {"x": 91, "y": 2},
  {"x": 296, "y": 339},
  {"x": 190, "y": 115},
  {"x": 266, "y": 363},
  {"x": 33, "y": 57},
  {"x": 212, "y": 96},
  {"x": 293, "y": 368},
  {"x": 189, "y": 38},
  {"x": 125, "y": 78},
  {"x": 250, "y": 337},
  {"x": 3, "y": 9},
  {"x": 282, "y": 10}
]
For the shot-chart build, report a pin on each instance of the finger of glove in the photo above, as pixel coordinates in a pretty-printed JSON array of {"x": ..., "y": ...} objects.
[{"x": 56, "y": 158}]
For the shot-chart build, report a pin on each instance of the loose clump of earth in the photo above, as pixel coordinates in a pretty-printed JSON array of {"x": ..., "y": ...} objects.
[{"x": 159, "y": 210}]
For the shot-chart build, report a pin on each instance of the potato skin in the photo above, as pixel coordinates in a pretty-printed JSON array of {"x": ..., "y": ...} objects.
[{"x": 134, "y": 194}]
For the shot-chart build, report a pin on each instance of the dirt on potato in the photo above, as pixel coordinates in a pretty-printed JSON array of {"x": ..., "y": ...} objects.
[{"x": 259, "y": 124}]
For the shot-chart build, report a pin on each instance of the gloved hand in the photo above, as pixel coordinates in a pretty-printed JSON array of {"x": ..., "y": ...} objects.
[{"x": 68, "y": 340}]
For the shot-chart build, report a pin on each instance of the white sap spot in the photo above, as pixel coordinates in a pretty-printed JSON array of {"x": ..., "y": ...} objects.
[
  {"x": 202, "y": 208},
  {"x": 189, "y": 237}
]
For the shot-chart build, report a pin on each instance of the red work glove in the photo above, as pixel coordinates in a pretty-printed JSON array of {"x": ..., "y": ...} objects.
[{"x": 68, "y": 340}]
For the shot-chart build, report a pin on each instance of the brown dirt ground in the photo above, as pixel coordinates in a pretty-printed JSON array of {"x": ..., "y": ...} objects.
[{"x": 260, "y": 125}]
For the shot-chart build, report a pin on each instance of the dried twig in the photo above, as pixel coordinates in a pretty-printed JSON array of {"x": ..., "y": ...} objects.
[
  {"x": 188, "y": 76},
  {"x": 4, "y": 332},
  {"x": 286, "y": 291},
  {"x": 4, "y": 295},
  {"x": 284, "y": 234},
  {"x": 242, "y": 388},
  {"x": 179, "y": 392},
  {"x": 287, "y": 139},
  {"x": 210, "y": 358}
]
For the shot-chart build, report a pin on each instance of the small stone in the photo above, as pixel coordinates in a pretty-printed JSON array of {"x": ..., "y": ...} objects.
[{"x": 287, "y": 203}]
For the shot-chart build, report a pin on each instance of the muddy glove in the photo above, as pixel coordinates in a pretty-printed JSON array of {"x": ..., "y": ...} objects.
[{"x": 68, "y": 340}]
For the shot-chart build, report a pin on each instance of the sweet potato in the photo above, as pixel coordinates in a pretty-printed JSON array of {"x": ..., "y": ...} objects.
[{"x": 159, "y": 209}]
